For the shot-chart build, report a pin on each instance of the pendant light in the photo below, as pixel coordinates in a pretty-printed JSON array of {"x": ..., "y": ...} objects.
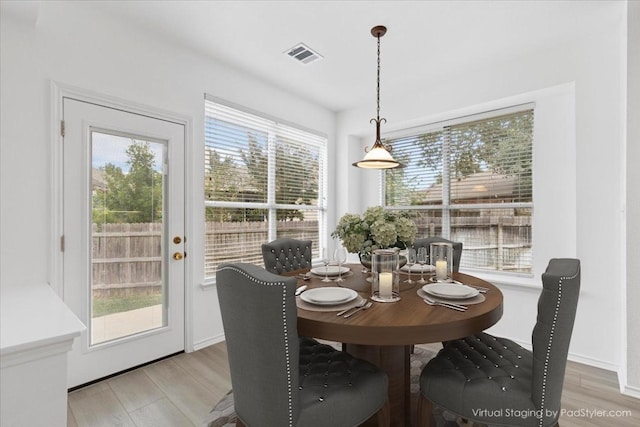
[{"x": 378, "y": 156}]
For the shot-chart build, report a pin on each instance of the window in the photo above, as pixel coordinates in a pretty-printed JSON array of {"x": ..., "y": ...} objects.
[
  {"x": 263, "y": 179},
  {"x": 470, "y": 180}
]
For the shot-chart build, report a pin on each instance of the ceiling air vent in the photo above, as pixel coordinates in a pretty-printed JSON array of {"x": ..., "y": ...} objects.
[{"x": 303, "y": 53}]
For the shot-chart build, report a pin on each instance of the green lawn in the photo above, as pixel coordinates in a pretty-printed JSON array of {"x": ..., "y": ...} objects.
[{"x": 110, "y": 305}]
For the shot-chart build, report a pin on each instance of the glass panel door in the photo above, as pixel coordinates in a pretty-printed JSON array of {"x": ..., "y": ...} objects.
[
  {"x": 124, "y": 237},
  {"x": 127, "y": 289}
]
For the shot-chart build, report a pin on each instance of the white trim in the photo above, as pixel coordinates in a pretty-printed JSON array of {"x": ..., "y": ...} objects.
[
  {"x": 507, "y": 279},
  {"x": 59, "y": 91},
  {"x": 56, "y": 201},
  {"x": 631, "y": 391},
  {"x": 208, "y": 283},
  {"x": 207, "y": 342},
  {"x": 577, "y": 358},
  {"x": 590, "y": 361},
  {"x": 622, "y": 177}
]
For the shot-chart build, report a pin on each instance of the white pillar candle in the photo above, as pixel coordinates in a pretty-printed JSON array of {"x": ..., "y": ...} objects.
[
  {"x": 386, "y": 283},
  {"x": 441, "y": 269}
]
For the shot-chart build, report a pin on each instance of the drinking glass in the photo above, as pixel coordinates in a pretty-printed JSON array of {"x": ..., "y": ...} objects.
[
  {"x": 411, "y": 260},
  {"x": 422, "y": 258},
  {"x": 325, "y": 261},
  {"x": 340, "y": 255}
]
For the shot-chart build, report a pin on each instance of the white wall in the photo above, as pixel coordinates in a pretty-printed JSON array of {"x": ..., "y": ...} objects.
[
  {"x": 578, "y": 84},
  {"x": 67, "y": 44}
]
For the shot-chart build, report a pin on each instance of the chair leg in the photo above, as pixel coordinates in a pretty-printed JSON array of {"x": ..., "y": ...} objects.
[
  {"x": 384, "y": 415},
  {"x": 239, "y": 423},
  {"x": 425, "y": 412}
]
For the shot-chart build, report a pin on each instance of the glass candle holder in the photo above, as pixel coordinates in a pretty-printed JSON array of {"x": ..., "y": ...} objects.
[
  {"x": 385, "y": 283},
  {"x": 442, "y": 260}
]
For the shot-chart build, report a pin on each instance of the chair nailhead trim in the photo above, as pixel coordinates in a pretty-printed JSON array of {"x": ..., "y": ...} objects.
[
  {"x": 548, "y": 354},
  {"x": 286, "y": 340}
]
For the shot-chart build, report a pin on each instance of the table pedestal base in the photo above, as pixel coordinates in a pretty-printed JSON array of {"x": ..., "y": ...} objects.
[{"x": 395, "y": 361}]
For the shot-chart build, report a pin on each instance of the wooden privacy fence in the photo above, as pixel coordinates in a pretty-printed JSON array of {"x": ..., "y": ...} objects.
[
  {"x": 241, "y": 241},
  {"x": 127, "y": 258},
  {"x": 491, "y": 242}
]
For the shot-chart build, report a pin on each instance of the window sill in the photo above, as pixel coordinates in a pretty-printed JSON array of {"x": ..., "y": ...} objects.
[
  {"x": 507, "y": 280},
  {"x": 208, "y": 284}
]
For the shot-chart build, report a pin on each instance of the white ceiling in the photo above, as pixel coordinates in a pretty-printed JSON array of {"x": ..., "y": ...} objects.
[{"x": 425, "y": 39}]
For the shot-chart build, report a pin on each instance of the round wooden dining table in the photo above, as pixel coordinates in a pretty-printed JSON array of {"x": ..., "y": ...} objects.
[{"x": 385, "y": 333}]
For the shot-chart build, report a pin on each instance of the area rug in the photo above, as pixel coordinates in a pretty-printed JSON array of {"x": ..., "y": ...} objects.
[{"x": 223, "y": 415}]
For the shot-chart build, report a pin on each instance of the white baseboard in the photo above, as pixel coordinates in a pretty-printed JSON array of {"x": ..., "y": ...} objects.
[
  {"x": 585, "y": 360},
  {"x": 207, "y": 342},
  {"x": 631, "y": 391}
]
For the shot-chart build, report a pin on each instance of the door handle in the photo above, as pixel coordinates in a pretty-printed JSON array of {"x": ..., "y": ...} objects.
[{"x": 178, "y": 256}]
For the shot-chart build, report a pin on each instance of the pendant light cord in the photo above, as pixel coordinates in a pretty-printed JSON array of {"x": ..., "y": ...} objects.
[
  {"x": 378, "y": 120},
  {"x": 378, "y": 83}
]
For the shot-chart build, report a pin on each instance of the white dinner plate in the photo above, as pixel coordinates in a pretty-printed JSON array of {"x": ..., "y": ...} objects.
[
  {"x": 330, "y": 270},
  {"x": 416, "y": 268},
  {"x": 328, "y": 296},
  {"x": 450, "y": 290}
]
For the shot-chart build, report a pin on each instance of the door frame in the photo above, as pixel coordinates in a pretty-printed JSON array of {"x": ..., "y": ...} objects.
[{"x": 59, "y": 91}]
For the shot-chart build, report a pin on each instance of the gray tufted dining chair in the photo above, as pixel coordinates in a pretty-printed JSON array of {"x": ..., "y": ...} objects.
[
  {"x": 495, "y": 381},
  {"x": 281, "y": 379},
  {"x": 457, "y": 248},
  {"x": 286, "y": 254}
]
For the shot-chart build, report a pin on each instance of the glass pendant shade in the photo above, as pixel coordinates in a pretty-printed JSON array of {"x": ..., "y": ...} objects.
[{"x": 377, "y": 158}]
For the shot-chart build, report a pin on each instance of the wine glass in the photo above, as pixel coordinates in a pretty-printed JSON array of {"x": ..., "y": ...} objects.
[
  {"x": 422, "y": 259},
  {"x": 411, "y": 260},
  {"x": 325, "y": 261},
  {"x": 340, "y": 255}
]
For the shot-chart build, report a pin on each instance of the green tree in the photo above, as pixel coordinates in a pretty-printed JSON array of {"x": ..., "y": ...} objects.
[
  {"x": 296, "y": 179},
  {"x": 256, "y": 161},
  {"x": 501, "y": 145},
  {"x": 135, "y": 196},
  {"x": 224, "y": 181},
  {"x": 486, "y": 145}
]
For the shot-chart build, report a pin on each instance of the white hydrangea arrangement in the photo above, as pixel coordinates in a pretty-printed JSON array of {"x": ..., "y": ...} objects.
[{"x": 376, "y": 229}]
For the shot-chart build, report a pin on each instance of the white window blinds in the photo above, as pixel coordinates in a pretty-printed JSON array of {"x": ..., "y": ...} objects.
[
  {"x": 263, "y": 179},
  {"x": 470, "y": 181}
]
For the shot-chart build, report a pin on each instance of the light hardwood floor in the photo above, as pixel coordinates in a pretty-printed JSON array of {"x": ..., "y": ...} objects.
[{"x": 180, "y": 392}]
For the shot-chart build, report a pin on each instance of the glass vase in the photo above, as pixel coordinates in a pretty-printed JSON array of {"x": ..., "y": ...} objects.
[
  {"x": 442, "y": 260},
  {"x": 385, "y": 283}
]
